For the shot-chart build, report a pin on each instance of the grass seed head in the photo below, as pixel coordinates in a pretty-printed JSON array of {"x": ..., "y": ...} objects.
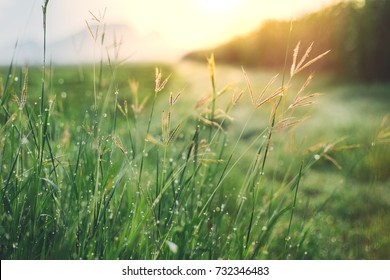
[{"x": 158, "y": 77}]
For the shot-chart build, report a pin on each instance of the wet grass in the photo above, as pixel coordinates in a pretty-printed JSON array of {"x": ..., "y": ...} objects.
[
  {"x": 117, "y": 161},
  {"x": 175, "y": 169}
]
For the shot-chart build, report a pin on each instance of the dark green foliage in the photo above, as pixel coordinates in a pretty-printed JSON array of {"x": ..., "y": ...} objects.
[
  {"x": 357, "y": 36},
  {"x": 373, "y": 41}
]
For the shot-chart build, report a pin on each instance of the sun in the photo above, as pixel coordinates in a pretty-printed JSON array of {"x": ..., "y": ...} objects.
[{"x": 218, "y": 6}]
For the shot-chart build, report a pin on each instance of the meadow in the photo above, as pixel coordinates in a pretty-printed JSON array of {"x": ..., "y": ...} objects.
[{"x": 192, "y": 161}]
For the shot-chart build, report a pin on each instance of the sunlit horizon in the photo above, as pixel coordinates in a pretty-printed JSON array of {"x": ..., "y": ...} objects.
[{"x": 183, "y": 25}]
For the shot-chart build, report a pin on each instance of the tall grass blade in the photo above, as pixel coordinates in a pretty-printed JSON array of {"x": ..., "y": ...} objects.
[
  {"x": 293, "y": 209},
  {"x": 4, "y": 97}
]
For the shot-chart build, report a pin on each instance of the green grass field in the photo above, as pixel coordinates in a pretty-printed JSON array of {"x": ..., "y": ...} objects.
[{"x": 192, "y": 161}]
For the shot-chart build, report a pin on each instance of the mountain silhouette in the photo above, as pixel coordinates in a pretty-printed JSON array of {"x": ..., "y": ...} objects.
[{"x": 120, "y": 42}]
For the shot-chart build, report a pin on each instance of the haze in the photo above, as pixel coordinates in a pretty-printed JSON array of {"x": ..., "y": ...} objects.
[{"x": 182, "y": 24}]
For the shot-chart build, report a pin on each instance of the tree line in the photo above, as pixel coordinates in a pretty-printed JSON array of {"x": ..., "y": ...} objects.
[{"x": 357, "y": 33}]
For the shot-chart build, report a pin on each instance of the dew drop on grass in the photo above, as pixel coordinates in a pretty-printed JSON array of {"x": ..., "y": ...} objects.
[
  {"x": 105, "y": 115},
  {"x": 317, "y": 157}
]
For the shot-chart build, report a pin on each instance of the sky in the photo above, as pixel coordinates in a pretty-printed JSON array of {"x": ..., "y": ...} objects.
[{"x": 184, "y": 24}]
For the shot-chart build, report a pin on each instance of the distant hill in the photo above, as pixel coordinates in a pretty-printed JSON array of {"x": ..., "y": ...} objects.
[
  {"x": 357, "y": 36},
  {"x": 81, "y": 48}
]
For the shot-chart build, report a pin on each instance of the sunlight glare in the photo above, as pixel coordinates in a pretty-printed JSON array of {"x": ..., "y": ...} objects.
[{"x": 218, "y": 6}]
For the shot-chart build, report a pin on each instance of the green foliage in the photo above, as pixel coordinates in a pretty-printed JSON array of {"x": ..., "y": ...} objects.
[
  {"x": 355, "y": 34},
  {"x": 197, "y": 196}
]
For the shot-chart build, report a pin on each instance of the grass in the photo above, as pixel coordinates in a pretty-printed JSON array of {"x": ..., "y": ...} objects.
[
  {"x": 117, "y": 161},
  {"x": 195, "y": 198}
]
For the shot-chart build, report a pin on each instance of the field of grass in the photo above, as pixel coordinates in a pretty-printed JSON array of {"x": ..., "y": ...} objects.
[
  {"x": 188, "y": 161},
  {"x": 344, "y": 198}
]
